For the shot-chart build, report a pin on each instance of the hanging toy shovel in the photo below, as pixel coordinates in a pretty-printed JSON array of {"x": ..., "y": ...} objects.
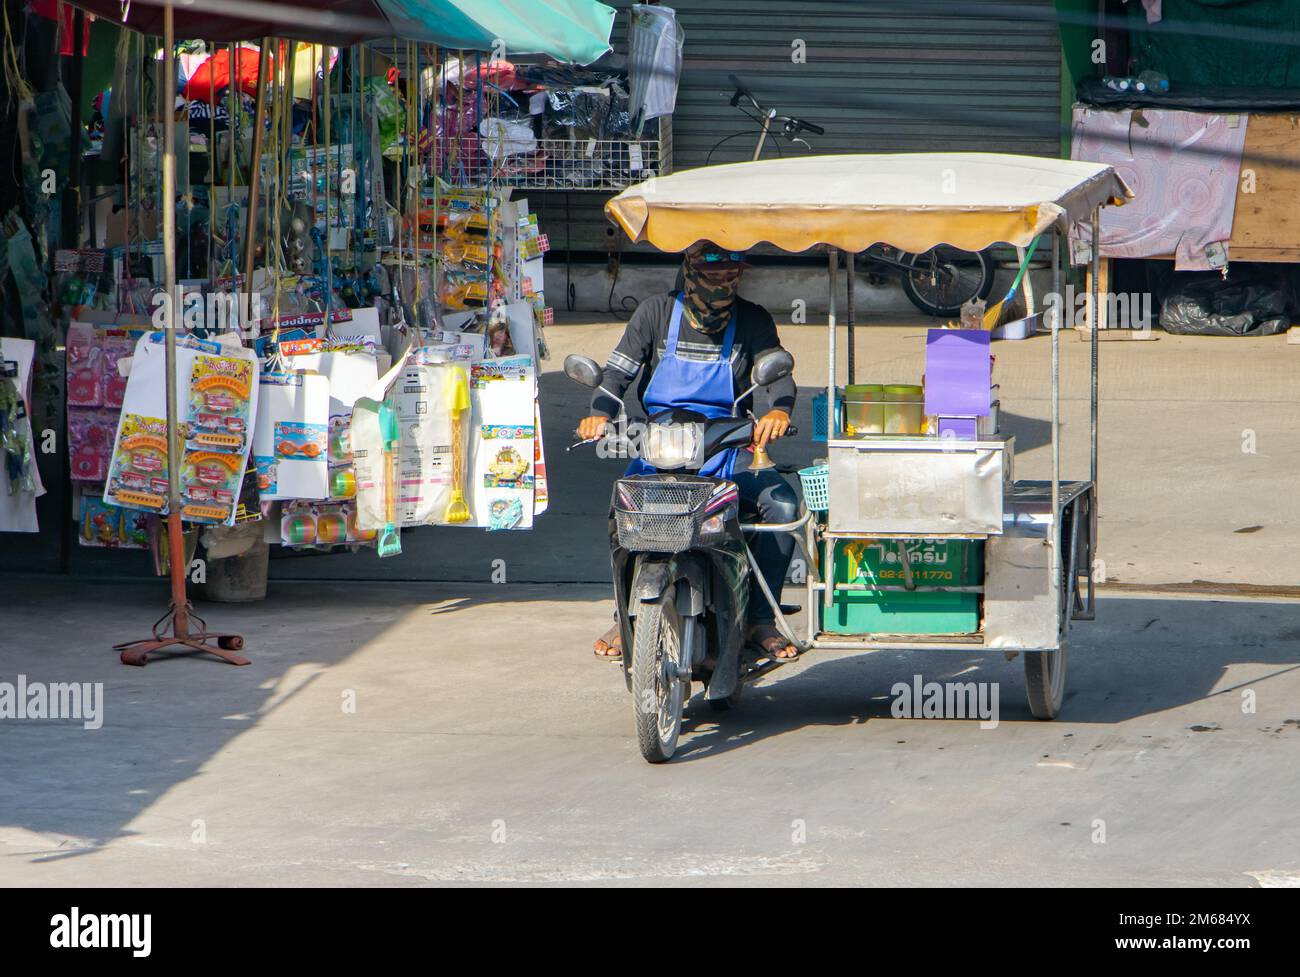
[
  {"x": 457, "y": 510},
  {"x": 390, "y": 540}
]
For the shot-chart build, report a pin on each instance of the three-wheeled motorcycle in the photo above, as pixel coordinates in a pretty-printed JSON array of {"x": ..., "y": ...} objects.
[{"x": 883, "y": 506}]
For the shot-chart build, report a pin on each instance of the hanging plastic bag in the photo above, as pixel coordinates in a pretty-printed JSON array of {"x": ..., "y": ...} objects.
[{"x": 1243, "y": 305}]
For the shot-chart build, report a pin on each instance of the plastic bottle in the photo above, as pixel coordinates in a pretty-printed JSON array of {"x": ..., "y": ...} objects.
[{"x": 1154, "y": 82}]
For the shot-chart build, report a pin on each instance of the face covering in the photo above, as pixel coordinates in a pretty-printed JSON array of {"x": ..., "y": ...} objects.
[{"x": 709, "y": 293}]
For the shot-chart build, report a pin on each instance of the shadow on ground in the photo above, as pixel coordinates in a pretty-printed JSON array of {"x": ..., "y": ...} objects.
[{"x": 165, "y": 723}]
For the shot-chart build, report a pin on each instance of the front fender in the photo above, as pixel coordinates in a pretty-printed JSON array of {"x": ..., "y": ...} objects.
[{"x": 654, "y": 575}]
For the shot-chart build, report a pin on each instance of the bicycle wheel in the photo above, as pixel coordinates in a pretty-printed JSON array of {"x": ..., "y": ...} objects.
[{"x": 939, "y": 281}]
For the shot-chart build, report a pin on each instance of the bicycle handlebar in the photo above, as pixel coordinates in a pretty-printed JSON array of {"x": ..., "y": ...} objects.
[
  {"x": 791, "y": 125},
  {"x": 800, "y": 125}
]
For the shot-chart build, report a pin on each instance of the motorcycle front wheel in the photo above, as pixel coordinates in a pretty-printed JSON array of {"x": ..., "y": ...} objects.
[{"x": 658, "y": 690}]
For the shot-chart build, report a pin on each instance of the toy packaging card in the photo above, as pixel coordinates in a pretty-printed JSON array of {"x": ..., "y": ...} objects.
[
  {"x": 96, "y": 389},
  {"x": 502, "y": 474},
  {"x": 216, "y": 393},
  {"x": 137, "y": 476},
  {"x": 220, "y": 396},
  {"x": 104, "y": 525},
  {"x": 210, "y": 485},
  {"x": 290, "y": 439},
  {"x": 422, "y": 398},
  {"x": 322, "y": 525}
]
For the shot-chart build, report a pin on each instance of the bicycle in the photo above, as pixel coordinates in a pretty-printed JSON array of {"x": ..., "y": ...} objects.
[{"x": 937, "y": 282}]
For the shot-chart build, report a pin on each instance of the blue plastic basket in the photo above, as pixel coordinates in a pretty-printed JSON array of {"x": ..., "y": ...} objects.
[
  {"x": 813, "y": 480},
  {"x": 819, "y": 414}
]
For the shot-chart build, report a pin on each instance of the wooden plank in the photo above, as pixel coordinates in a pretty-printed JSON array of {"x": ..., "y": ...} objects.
[
  {"x": 1103, "y": 287},
  {"x": 1266, "y": 226}
]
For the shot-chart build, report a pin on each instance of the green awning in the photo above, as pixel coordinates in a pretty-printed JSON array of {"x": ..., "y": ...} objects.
[{"x": 571, "y": 30}]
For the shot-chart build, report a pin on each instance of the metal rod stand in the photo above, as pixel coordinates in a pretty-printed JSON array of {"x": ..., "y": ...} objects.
[{"x": 173, "y": 628}]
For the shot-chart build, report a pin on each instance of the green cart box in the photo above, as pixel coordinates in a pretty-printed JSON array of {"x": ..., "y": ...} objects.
[{"x": 877, "y": 563}]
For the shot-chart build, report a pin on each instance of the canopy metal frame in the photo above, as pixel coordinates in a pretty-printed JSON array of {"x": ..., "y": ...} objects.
[{"x": 1072, "y": 497}]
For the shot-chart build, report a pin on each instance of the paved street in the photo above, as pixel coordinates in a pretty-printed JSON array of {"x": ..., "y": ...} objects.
[{"x": 486, "y": 744}]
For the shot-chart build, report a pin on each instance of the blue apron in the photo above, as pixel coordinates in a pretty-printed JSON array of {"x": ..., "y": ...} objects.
[{"x": 708, "y": 388}]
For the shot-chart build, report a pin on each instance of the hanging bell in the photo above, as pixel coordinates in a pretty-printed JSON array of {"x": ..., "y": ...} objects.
[{"x": 761, "y": 460}]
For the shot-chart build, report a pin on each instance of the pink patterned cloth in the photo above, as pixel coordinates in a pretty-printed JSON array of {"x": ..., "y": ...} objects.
[
  {"x": 1152, "y": 8},
  {"x": 1183, "y": 168}
]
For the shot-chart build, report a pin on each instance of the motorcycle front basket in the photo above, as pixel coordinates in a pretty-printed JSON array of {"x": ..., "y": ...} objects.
[{"x": 660, "y": 515}]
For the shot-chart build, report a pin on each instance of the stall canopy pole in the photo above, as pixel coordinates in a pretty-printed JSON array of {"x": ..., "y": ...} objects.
[
  {"x": 1058, "y": 242},
  {"x": 71, "y": 230},
  {"x": 137, "y": 652},
  {"x": 832, "y": 271},
  {"x": 254, "y": 187},
  {"x": 1096, "y": 321},
  {"x": 849, "y": 350}
]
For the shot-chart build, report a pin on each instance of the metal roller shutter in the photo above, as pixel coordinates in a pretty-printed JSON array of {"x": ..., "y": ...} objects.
[{"x": 879, "y": 76}]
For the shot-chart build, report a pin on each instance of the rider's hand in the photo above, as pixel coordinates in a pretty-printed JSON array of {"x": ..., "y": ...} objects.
[
  {"x": 770, "y": 426},
  {"x": 590, "y": 428}
]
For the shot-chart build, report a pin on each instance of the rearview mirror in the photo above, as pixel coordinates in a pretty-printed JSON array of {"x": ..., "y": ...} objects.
[
  {"x": 769, "y": 367},
  {"x": 583, "y": 370}
]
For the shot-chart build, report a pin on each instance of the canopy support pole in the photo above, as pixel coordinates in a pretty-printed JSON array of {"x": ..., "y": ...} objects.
[
  {"x": 828, "y": 558},
  {"x": 180, "y": 612},
  {"x": 1096, "y": 323},
  {"x": 1058, "y": 241},
  {"x": 849, "y": 350},
  {"x": 832, "y": 270},
  {"x": 254, "y": 188},
  {"x": 1096, "y": 373}
]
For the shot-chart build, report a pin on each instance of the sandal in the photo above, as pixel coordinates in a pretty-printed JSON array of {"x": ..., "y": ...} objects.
[{"x": 769, "y": 641}]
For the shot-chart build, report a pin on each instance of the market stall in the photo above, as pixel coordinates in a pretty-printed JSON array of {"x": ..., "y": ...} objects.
[{"x": 301, "y": 320}]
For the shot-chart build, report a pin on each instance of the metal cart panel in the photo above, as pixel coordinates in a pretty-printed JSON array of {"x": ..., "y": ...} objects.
[{"x": 918, "y": 486}]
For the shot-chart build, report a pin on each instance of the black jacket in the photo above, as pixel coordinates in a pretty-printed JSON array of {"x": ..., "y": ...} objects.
[{"x": 646, "y": 336}]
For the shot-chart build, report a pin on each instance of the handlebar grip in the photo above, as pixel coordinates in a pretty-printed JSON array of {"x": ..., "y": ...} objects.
[
  {"x": 741, "y": 90},
  {"x": 809, "y": 127}
]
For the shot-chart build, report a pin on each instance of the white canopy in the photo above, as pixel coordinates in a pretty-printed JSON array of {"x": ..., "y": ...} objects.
[{"x": 913, "y": 201}]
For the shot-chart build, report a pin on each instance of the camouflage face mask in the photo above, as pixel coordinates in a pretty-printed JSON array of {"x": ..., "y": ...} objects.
[{"x": 709, "y": 293}]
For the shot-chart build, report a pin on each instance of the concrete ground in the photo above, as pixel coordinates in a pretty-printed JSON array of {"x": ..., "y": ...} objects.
[{"x": 487, "y": 746}]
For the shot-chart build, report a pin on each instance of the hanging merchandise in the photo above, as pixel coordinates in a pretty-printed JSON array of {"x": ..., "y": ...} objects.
[
  {"x": 291, "y": 436},
  {"x": 376, "y": 437},
  {"x": 32, "y": 287},
  {"x": 504, "y": 392},
  {"x": 360, "y": 300},
  {"x": 351, "y": 368},
  {"x": 20, "y": 482},
  {"x": 216, "y": 383},
  {"x": 102, "y": 525},
  {"x": 433, "y": 434},
  {"x": 96, "y": 390}
]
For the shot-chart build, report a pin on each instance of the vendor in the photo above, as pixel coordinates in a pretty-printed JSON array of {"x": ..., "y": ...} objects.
[{"x": 694, "y": 349}]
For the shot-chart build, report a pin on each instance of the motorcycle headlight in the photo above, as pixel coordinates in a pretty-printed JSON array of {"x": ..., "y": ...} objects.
[
  {"x": 714, "y": 524},
  {"x": 672, "y": 445}
]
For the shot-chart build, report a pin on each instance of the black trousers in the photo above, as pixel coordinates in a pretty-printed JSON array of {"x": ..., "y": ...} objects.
[{"x": 768, "y": 496}]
